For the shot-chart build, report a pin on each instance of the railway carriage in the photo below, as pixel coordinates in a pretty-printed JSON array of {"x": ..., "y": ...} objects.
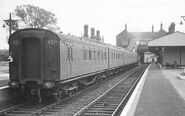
[
  {"x": 81, "y": 57},
  {"x": 115, "y": 57},
  {"x": 44, "y": 60},
  {"x": 131, "y": 57}
]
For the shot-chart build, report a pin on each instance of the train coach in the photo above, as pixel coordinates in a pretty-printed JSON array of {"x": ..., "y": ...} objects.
[{"x": 46, "y": 61}]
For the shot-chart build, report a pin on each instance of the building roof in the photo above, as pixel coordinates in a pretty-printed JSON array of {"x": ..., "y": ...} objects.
[
  {"x": 142, "y": 36},
  {"x": 174, "y": 39}
]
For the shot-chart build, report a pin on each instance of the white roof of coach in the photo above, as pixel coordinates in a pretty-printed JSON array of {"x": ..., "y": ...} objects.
[{"x": 79, "y": 40}]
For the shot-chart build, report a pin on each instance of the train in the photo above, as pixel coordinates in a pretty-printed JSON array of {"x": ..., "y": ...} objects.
[{"x": 42, "y": 60}]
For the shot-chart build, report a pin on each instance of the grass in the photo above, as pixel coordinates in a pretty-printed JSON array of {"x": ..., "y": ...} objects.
[
  {"x": 183, "y": 74},
  {"x": 4, "y": 63},
  {"x": 4, "y": 67},
  {"x": 4, "y": 83}
]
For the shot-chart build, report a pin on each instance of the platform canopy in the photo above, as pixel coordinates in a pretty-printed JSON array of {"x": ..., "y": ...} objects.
[{"x": 174, "y": 39}]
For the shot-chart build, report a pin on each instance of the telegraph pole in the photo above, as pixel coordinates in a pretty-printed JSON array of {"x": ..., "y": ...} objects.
[{"x": 11, "y": 23}]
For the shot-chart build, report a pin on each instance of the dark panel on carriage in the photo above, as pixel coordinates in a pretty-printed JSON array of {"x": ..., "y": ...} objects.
[
  {"x": 31, "y": 58},
  {"x": 35, "y": 55}
]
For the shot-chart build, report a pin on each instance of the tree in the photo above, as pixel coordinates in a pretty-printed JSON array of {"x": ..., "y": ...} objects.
[
  {"x": 35, "y": 17},
  {"x": 4, "y": 55}
]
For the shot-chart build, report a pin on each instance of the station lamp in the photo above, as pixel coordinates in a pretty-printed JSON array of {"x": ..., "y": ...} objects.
[
  {"x": 181, "y": 22},
  {"x": 12, "y": 24}
]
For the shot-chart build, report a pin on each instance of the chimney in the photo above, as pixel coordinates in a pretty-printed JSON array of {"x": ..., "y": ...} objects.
[
  {"x": 86, "y": 31},
  {"x": 98, "y": 35},
  {"x": 152, "y": 28},
  {"x": 171, "y": 28},
  {"x": 125, "y": 27},
  {"x": 92, "y": 32},
  {"x": 161, "y": 26}
]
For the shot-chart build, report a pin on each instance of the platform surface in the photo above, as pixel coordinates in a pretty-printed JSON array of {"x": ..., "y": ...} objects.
[{"x": 162, "y": 94}]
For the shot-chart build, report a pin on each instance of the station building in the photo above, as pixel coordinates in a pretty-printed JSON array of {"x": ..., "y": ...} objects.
[
  {"x": 138, "y": 41},
  {"x": 170, "y": 50}
]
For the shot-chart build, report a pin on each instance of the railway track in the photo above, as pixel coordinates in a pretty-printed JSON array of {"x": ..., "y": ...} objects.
[
  {"x": 112, "y": 102},
  {"x": 28, "y": 109}
]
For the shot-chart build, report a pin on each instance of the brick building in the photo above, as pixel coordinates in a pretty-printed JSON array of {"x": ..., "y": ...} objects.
[{"x": 138, "y": 41}]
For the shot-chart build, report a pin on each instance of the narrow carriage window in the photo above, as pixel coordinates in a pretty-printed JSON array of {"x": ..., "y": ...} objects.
[
  {"x": 94, "y": 55},
  {"x": 105, "y": 55},
  {"x": 68, "y": 54},
  {"x": 87, "y": 54},
  {"x": 102, "y": 55},
  {"x": 84, "y": 54},
  {"x": 90, "y": 55},
  {"x": 98, "y": 55},
  {"x": 82, "y": 51},
  {"x": 71, "y": 53}
]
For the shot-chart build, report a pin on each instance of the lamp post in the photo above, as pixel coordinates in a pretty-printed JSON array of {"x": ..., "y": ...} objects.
[
  {"x": 183, "y": 17},
  {"x": 11, "y": 23},
  {"x": 181, "y": 23}
]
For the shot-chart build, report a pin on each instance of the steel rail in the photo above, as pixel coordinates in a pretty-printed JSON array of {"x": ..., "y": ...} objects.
[
  {"x": 82, "y": 111},
  {"x": 4, "y": 111},
  {"x": 34, "y": 111}
]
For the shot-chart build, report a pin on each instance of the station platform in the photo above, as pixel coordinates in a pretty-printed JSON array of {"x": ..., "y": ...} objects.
[{"x": 159, "y": 93}]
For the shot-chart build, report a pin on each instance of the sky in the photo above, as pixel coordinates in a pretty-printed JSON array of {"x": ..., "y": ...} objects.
[{"x": 108, "y": 16}]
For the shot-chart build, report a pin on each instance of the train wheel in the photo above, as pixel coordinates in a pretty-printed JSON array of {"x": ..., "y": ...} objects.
[{"x": 59, "y": 94}]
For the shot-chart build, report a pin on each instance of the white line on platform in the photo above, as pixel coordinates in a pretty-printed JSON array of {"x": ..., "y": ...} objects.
[
  {"x": 4, "y": 87},
  {"x": 131, "y": 100}
]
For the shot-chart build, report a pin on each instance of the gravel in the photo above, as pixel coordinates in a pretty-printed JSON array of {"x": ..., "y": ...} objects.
[{"x": 72, "y": 106}]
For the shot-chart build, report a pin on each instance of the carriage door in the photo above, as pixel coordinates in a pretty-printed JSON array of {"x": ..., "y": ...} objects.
[
  {"x": 69, "y": 60},
  {"x": 31, "y": 59}
]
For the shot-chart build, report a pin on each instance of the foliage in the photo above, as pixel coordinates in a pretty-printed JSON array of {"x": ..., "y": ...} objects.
[
  {"x": 4, "y": 55},
  {"x": 35, "y": 17},
  {"x": 183, "y": 73}
]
